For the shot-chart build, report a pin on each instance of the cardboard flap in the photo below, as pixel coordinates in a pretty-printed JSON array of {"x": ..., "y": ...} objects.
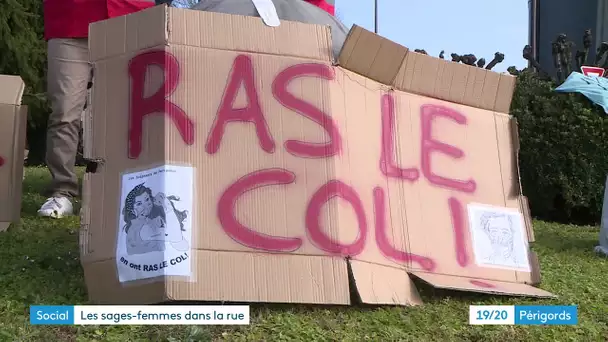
[
  {"x": 525, "y": 210},
  {"x": 535, "y": 268},
  {"x": 249, "y": 34},
  {"x": 12, "y": 146},
  {"x": 371, "y": 55},
  {"x": 441, "y": 281},
  {"x": 377, "y": 284},
  {"x": 261, "y": 278},
  {"x": 523, "y": 200},
  {"x": 128, "y": 33},
  {"x": 387, "y": 62},
  {"x": 11, "y": 89},
  {"x": 514, "y": 129},
  {"x": 161, "y": 25}
]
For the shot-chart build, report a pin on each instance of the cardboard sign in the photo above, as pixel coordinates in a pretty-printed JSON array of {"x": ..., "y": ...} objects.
[
  {"x": 305, "y": 174},
  {"x": 13, "y": 123},
  {"x": 592, "y": 71}
]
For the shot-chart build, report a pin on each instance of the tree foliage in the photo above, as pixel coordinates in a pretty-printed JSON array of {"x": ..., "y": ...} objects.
[
  {"x": 563, "y": 159},
  {"x": 23, "y": 52}
]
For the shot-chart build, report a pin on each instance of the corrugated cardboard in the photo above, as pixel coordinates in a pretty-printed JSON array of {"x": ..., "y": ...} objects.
[
  {"x": 13, "y": 123},
  {"x": 298, "y": 176}
]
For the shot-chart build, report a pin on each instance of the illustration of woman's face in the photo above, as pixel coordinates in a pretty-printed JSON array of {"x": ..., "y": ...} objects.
[
  {"x": 499, "y": 232},
  {"x": 142, "y": 205}
]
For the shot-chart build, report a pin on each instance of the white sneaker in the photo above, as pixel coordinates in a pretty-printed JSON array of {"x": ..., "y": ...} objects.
[{"x": 56, "y": 207}]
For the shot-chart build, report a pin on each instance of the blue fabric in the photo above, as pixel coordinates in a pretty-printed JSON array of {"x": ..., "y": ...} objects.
[{"x": 593, "y": 87}]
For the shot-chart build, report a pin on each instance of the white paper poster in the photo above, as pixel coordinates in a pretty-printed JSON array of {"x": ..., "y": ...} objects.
[
  {"x": 155, "y": 223},
  {"x": 499, "y": 237}
]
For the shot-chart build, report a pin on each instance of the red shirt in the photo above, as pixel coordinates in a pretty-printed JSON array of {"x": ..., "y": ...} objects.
[
  {"x": 324, "y": 6},
  {"x": 71, "y": 18}
]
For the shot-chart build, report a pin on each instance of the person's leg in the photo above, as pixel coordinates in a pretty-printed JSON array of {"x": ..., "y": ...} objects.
[{"x": 69, "y": 72}]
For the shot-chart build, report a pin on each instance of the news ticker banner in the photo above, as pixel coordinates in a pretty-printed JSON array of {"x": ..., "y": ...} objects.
[
  {"x": 523, "y": 314},
  {"x": 139, "y": 315},
  {"x": 239, "y": 315}
]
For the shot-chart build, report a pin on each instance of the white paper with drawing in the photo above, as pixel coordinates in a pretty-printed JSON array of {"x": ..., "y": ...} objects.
[
  {"x": 499, "y": 237},
  {"x": 155, "y": 223}
]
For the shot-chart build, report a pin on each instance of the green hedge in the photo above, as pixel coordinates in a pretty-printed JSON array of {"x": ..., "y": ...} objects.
[
  {"x": 564, "y": 138},
  {"x": 563, "y": 154},
  {"x": 23, "y": 52}
]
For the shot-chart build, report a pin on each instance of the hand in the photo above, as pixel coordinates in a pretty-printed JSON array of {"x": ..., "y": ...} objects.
[
  {"x": 167, "y": 202},
  {"x": 161, "y": 200}
]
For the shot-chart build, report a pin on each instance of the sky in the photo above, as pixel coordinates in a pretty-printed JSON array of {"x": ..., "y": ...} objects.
[{"x": 480, "y": 28}]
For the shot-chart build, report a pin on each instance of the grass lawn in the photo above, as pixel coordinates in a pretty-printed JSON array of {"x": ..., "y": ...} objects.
[{"x": 40, "y": 266}]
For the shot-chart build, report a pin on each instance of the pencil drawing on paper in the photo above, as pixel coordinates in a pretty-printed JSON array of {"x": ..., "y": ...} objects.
[
  {"x": 499, "y": 229},
  {"x": 499, "y": 239}
]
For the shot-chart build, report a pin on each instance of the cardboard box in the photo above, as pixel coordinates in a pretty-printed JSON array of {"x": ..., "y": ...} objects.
[
  {"x": 13, "y": 124},
  {"x": 294, "y": 175}
]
